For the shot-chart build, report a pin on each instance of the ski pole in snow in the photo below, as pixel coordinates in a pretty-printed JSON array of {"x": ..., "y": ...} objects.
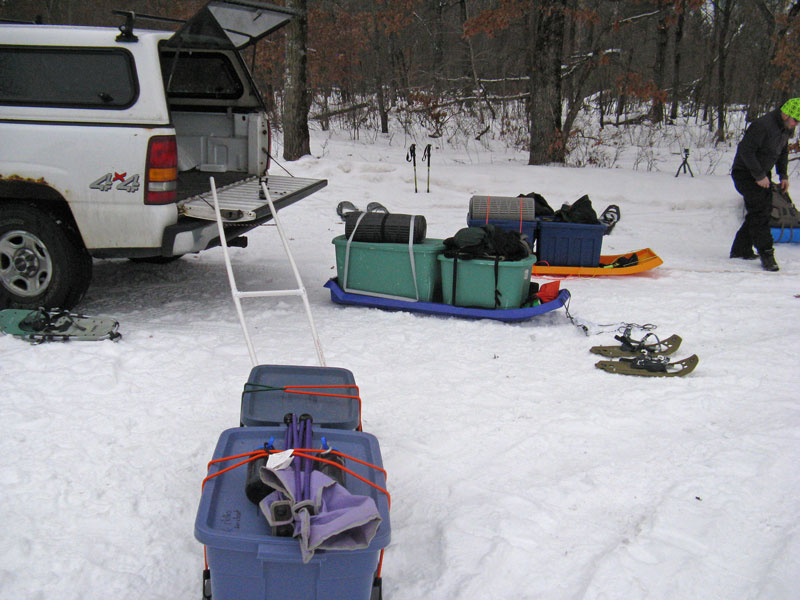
[
  {"x": 411, "y": 156},
  {"x": 426, "y": 157}
]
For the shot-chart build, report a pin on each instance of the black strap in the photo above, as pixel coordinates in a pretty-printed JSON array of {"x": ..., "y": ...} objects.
[
  {"x": 497, "y": 293},
  {"x": 646, "y": 363},
  {"x": 455, "y": 276},
  {"x": 383, "y": 226}
]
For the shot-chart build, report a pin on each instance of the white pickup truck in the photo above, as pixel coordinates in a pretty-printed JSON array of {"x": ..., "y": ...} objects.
[{"x": 108, "y": 138}]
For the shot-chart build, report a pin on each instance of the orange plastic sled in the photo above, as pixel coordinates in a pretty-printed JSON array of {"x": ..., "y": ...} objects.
[{"x": 647, "y": 260}]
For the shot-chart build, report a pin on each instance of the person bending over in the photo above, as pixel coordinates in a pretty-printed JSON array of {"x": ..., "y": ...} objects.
[{"x": 765, "y": 145}]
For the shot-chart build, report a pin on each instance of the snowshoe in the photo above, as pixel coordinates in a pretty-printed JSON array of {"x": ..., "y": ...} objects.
[
  {"x": 377, "y": 207},
  {"x": 630, "y": 347},
  {"x": 56, "y": 325},
  {"x": 344, "y": 208},
  {"x": 610, "y": 216},
  {"x": 650, "y": 366}
]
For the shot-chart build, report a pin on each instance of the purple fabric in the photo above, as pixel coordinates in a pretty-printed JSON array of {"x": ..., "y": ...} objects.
[{"x": 341, "y": 520}]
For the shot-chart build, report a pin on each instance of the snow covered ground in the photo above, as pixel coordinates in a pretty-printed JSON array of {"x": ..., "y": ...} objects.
[{"x": 517, "y": 469}]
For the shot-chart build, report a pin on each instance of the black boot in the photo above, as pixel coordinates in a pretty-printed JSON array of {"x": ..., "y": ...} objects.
[
  {"x": 745, "y": 254},
  {"x": 768, "y": 261}
]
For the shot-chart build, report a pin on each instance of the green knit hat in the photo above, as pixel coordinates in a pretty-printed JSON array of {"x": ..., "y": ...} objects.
[{"x": 792, "y": 108}]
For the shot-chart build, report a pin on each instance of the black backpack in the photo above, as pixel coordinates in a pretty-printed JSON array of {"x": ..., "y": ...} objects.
[{"x": 784, "y": 213}]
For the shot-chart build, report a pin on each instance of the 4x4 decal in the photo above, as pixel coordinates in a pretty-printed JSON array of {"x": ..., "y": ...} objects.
[{"x": 106, "y": 182}]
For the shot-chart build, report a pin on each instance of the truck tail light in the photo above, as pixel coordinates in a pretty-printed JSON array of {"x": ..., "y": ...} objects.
[{"x": 161, "y": 182}]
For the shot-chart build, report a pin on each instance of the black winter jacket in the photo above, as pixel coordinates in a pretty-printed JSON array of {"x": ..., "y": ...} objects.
[{"x": 764, "y": 145}]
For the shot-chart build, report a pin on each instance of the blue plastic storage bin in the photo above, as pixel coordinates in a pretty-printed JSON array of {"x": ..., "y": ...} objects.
[
  {"x": 569, "y": 244},
  {"x": 527, "y": 228},
  {"x": 267, "y": 407},
  {"x": 247, "y": 563}
]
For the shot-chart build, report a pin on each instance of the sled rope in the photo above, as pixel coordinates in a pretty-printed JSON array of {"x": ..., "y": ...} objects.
[
  {"x": 619, "y": 327},
  {"x": 300, "y": 389}
]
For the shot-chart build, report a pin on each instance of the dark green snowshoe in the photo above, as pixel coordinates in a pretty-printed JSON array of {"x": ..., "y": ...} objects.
[
  {"x": 56, "y": 325},
  {"x": 650, "y": 366},
  {"x": 630, "y": 347}
]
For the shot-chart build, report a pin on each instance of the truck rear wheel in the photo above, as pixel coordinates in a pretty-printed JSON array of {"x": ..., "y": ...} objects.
[{"x": 42, "y": 261}]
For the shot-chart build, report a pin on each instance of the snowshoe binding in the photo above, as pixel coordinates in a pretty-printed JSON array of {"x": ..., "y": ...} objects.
[
  {"x": 377, "y": 207},
  {"x": 649, "y": 345},
  {"x": 650, "y": 366},
  {"x": 56, "y": 325},
  {"x": 344, "y": 208}
]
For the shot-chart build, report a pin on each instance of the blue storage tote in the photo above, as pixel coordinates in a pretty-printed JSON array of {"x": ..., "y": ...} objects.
[
  {"x": 527, "y": 228},
  {"x": 569, "y": 244},
  {"x": 246, "y": 562},
  {"x": 384, "y": 269},
  {"x": 475, "y": 282},
  {"x": 263, "y": 407}
]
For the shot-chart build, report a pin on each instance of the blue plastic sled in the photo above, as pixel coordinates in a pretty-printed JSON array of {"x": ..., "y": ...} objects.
[
  {"x": 786, "y": 234},
  {"x": 339, "y": 296}
]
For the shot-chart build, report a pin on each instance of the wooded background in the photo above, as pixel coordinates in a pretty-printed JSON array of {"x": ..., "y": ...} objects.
[{"x": 524, "y": 69}]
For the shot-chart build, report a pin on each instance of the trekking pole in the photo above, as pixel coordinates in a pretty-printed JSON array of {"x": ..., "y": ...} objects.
[
  {"x": 411, "y": 156},
  {"x": 426, "y": 157}
]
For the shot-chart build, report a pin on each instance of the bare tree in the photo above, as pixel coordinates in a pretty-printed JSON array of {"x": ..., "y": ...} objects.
[
  {"x": 676, "y": 58},
  {"x": 546, "y": 31},
  {"x": 722, "y": 14},
  {"x": 297, "y": 99}
]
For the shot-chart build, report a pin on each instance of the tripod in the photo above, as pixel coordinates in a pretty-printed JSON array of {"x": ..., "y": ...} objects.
[{"x": 685, "y": 164}]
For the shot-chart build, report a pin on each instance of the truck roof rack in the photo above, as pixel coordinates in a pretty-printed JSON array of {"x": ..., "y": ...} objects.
[{"x": 126, "y": 29}]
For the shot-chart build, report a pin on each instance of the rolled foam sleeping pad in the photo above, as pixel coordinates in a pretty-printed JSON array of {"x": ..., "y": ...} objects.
[
  {"x": 502, "y": 207},
  {"x": 384, "y": 227}
]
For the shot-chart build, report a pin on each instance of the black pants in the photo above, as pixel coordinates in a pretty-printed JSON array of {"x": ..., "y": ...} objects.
[{"x": 755, "y": 230}]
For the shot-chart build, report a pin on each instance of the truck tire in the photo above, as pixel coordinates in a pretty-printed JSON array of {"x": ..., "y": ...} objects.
[{"x": 42, "y": 260}]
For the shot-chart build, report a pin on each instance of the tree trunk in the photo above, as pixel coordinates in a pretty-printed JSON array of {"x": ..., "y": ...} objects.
[
  {"x": 465, "y": 69},
  {"x": 662, "y": 40},
  {"x": 438, "y": 45},
  {"x": 379, "y": 84},
  {"x": 546, "y": 31},
  {"x": 297, "y": 100},
  {"x": 722, "y": 10},
  {"x": 622, "y": 98},
  {"x": 676, "y": 61}
]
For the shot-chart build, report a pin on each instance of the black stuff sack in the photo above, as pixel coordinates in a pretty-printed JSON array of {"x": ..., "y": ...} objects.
[
  {"x": 580, "y": 211},
  {"x": 541, "y": 207}
]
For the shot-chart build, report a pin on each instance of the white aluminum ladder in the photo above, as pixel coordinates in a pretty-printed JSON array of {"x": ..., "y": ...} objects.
[{"x": 238, "y": 295}]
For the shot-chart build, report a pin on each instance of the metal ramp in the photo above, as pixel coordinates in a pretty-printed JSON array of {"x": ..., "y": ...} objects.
[{"x": 238, "y": 294}]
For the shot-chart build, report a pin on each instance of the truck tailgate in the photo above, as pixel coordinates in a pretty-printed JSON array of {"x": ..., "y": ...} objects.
[{"x": 243, "y": 201}]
